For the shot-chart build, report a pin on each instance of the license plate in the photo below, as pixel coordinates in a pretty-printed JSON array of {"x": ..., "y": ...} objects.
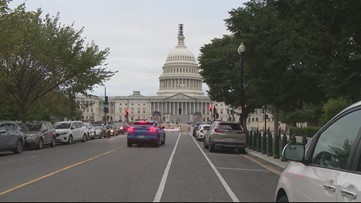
[{"x": 141, "y": 136}]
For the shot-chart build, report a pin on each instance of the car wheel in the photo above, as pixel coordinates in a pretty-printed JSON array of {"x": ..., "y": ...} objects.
[
  {"x": 70, "y": 139},
  {"x": 283, "y": 198},
  {"x": 19, "y": 147},
  {"x": 211, "y": 148},
  {"x": 53, "y": 142},
  {"x": 85, "y": 138},
  {"x": 205, "y": 144},
  {"x": 40, "y": 144}
]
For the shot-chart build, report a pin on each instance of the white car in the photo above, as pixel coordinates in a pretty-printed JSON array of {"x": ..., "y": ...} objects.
[
  {"x": 89, "y": 130},
  {"x": 328, "y": 168},
  {"x": 202, "y": 128},
  {"x": 69, "y": 131}
]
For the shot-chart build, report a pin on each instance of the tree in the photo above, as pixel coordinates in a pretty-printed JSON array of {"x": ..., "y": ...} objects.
[{"x": 38, "y": 56}]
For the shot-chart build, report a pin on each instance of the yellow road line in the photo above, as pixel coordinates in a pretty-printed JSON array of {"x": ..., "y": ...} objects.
[
  {"x": 278, "y": 172},
  {"x": 55, "y": 172}
]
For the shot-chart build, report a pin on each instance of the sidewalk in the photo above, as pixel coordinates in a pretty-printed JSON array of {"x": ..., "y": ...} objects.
[{"x": 276, "y": 162}]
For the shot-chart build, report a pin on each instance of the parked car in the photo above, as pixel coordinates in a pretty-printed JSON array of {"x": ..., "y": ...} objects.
[
  {"x": 123, "y": 127},
  {"x": 99, "y": 131},
  {"x": 89, "y": 130},
  {"x": 224, "y": 134},
  {"x": 328, "y": 167},
  {"x": 39, "y": 133},
  {"x": 111, "y": 129},
  {"x": 146, "y": 132},
  {"x": 69, "y": 131},
  {"x": 11, "y": 137},
  {"x": 195, "y": 127},
  {"x": 202, "y": 130}
]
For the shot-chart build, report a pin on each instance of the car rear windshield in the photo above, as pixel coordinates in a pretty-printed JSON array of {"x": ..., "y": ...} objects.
[
  {"x": 143, "y": 124},
  {"x": 206, "y": 127},
  {"x": 229, "y": 126}
]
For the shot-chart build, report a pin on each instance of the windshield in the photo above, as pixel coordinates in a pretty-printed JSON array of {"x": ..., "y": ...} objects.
[
  {"x": 31, "y": 126},
  {"x": 62, "y": 125}
]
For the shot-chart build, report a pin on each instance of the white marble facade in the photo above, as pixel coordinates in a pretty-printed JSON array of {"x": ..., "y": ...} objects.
[{"x": 180, "y": 97}]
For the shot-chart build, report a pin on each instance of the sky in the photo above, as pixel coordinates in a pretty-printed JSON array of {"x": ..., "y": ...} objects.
[{"x": 139, "y": 34}]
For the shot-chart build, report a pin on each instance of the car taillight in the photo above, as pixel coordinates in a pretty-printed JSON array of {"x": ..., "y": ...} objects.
[
  {"x": 218, "y": 131},
  {"x": 153, "y": 130},
  {"x": 130, "y": 130}
]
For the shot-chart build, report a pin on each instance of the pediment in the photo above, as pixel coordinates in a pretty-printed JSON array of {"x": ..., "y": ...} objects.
[{"x": 180, "y": 96}]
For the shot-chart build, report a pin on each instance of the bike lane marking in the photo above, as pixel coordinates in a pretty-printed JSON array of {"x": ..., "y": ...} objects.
[
  {"x": 224, "y": 183},
  {"x": 160, "y": 190}
]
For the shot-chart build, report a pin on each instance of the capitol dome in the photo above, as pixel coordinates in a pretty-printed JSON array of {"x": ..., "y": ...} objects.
[{"x": 180, "y": 72}]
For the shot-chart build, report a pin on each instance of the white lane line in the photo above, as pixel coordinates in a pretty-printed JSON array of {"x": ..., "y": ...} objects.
[
  {"x": 160, "y": 191},
  {"x": 243, "y": 169},
  {"x": 224, "y": 183}
]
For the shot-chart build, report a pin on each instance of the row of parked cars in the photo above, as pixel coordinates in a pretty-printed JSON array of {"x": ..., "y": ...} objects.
[{"x": 14, "y": 135}]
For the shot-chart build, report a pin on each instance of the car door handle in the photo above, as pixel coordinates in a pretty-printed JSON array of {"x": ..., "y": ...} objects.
[
  {"x": 330, "y": 188},
  {"x": 348, "y": 194}
]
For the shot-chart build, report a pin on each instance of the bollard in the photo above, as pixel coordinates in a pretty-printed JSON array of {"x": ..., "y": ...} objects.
[
  {"x": 259, "y": 142},
  {"x": 264, "y": 144},
  {"x": 293, "y": 139},
  {"x": 251, "y": 140},
  {"x": 270, "y": 143},
  {"x": 304, "y": 139},
  {"x": 284, "y": 143},
  {"x": 277, "y": 145},
  {"x": 254, "y": 147}
]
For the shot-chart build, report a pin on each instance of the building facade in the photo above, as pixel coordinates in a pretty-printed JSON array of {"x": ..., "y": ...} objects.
[{"x": 180, "y": 98}]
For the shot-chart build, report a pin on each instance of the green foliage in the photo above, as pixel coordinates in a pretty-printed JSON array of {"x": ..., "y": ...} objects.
[
  {"x": 332, "y": 107},
  {"x": 308, "y": 131},
  {"x": 39, "y": 55}
]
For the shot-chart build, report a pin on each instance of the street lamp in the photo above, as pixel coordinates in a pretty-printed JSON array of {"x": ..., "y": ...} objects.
[{"x": 241, "y": 50}]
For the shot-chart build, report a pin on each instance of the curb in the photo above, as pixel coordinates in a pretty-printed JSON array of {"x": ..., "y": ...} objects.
[{"x": 269, "y": 159}]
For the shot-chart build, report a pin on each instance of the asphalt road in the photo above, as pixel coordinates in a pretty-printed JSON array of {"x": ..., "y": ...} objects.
[{"x": 104, "y": 170}]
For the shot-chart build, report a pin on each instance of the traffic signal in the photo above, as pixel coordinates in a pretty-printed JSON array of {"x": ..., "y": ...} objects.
[
  {"x": 126, "y": 112},
  {"x": 106, "y": 100},
  {"x": 210, "y": 107},
  {"x": 106, "y": 110}
]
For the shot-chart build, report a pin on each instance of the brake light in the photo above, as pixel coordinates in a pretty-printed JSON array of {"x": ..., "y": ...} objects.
[
  {"x": 218, "y": 131},
  {"x": 130, "y": 130},
  {"x": 153, "y": 130}
]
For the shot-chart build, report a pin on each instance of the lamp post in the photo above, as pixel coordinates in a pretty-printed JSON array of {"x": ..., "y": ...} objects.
[{"x": 241, "y": 50}]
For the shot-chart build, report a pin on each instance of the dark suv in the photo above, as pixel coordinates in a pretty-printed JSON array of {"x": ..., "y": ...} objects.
[{"x": 224, "y": 134}]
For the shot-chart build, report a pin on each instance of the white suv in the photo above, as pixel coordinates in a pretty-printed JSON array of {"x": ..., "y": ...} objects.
[
  {"x": 328, "y": 168},
  {"x": 69, "y": 131}
]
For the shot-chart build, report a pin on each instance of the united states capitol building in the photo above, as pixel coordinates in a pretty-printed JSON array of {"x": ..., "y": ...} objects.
[{"x": 180, "y": 98}]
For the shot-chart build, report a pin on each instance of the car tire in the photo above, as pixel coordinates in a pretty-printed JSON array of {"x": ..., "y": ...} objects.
[
  {"x": 40, "y": 143},
  {"x": 205, "y": 144},
  {"x": 283, "y": 198},
  {"x": 211, "y": 148},
  {"x": 85, "y": 138},
  {"x": 19, "y": 146},
  {"x": 129, "y": 144},
  {"x": 70, "y": 139},
  {"x": 53, "y": 142}
]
